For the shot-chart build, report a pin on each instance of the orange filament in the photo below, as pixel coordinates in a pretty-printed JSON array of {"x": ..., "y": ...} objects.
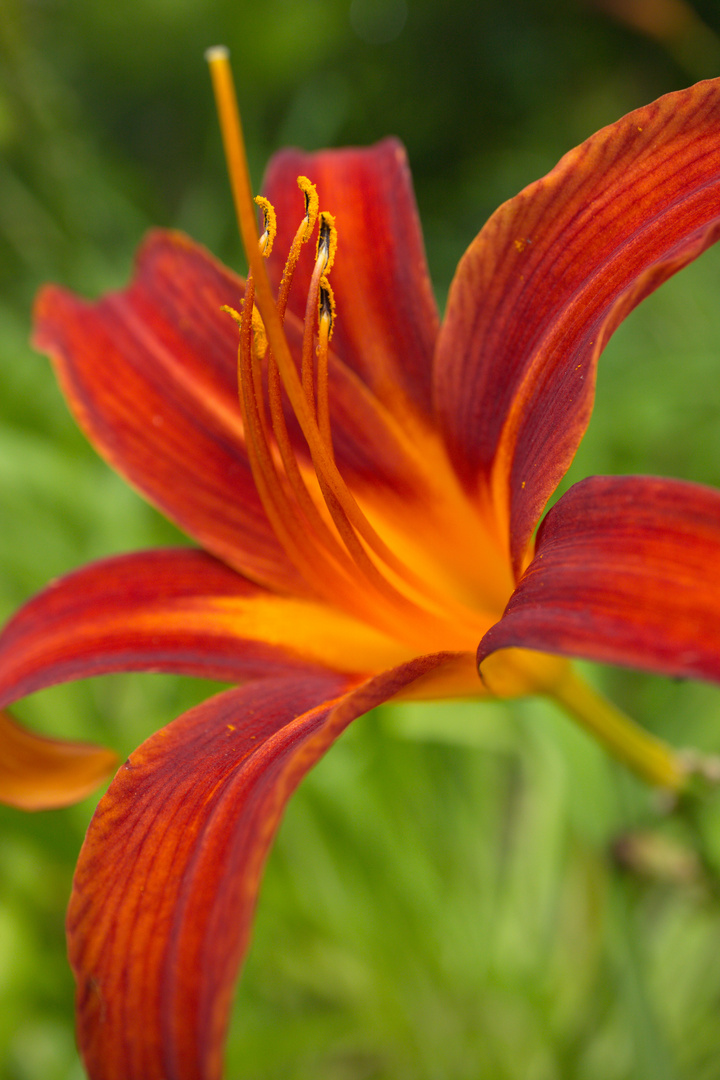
[
  {"x": 336, "y": 553},
  {"x": 289, "y": 528}
]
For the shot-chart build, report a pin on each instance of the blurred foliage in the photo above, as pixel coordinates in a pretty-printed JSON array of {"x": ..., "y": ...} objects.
[{"x": 458, "y": 891}]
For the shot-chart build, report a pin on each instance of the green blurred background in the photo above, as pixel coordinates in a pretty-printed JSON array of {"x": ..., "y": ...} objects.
[{"x": 457, "y": 892}]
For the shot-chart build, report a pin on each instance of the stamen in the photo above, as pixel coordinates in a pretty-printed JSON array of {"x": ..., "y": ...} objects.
[
  {"x": 292, "y": 470},
  {"x": 285, "y": 522},
  {"x": 325, "y": 328},
  {"x": 270, "y": 225},
  {"x": 351, "y": 523},
  {"x": 288, "y": 528},
  {"x": 327, "y": 241},
  {"x": 302, "y": 235},
  {"x": 326, "y": 306},
  {"x": 312, "y": 205},
  {"x": 324, "y": 258}
]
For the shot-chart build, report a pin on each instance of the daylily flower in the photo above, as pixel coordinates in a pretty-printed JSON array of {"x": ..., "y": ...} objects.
[{"x": 365, "y": 513}]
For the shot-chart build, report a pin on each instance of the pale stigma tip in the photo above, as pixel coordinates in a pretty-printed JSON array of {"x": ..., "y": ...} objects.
[{"x": 217, "y": 52}]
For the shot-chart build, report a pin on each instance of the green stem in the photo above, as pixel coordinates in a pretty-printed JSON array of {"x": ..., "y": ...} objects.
[{"x": 651, "y": 758}]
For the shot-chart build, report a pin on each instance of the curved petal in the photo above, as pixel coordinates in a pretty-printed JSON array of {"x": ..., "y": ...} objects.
[
  {"x": 150, "y": 375},
  {"x": 168, "y": 876},
  {"x": 42, "y": 774},
  {"x": 546, "y": 282},
  {"x": 625, "y": 572},
  {"x": 387, "y": 320},
  {"x": 175, "y": 610}
]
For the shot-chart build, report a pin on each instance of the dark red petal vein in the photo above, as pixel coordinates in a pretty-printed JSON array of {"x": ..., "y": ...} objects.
[{"x": 625, "y": 572}]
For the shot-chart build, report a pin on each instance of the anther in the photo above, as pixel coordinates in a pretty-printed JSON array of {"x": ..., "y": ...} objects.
[
  {"x": 326, "y": 307},
  {"x": 324, "y": 257},
  {"x": 269, "y": 224},
  {"x": 327, "y": 241},
  {"x": 303, "y": 234},
  {"x": 312, "y": 204}
]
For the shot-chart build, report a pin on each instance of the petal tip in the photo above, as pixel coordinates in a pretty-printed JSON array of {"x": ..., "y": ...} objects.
[{"x": 38, "y": 773}]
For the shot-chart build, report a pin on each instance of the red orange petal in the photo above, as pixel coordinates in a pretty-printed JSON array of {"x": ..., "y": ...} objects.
[
  {"x": 167, "y": 879},
  {"x": 167, "y": 610},
  {"x": 38, "y": 773},
  {"x": 150, "y": 374},
  {"x": 387, "y": 320},
  {"x": 549, "y": 278},
  {"x": 625, "y": 572}
]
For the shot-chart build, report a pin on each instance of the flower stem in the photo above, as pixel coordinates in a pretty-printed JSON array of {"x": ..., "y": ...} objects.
[{"x": 652, "y": 759}]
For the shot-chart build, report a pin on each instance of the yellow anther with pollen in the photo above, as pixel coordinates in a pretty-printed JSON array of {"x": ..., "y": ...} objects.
[
  {"x": 303, "y": 233},
  {"x": 269, "y": 224},
  {"x": 324, "y": 258},
  {"x": 312, "y": 205},
  {"x": 326, "y": 307},
  {"x": 327, "y": 241}
]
